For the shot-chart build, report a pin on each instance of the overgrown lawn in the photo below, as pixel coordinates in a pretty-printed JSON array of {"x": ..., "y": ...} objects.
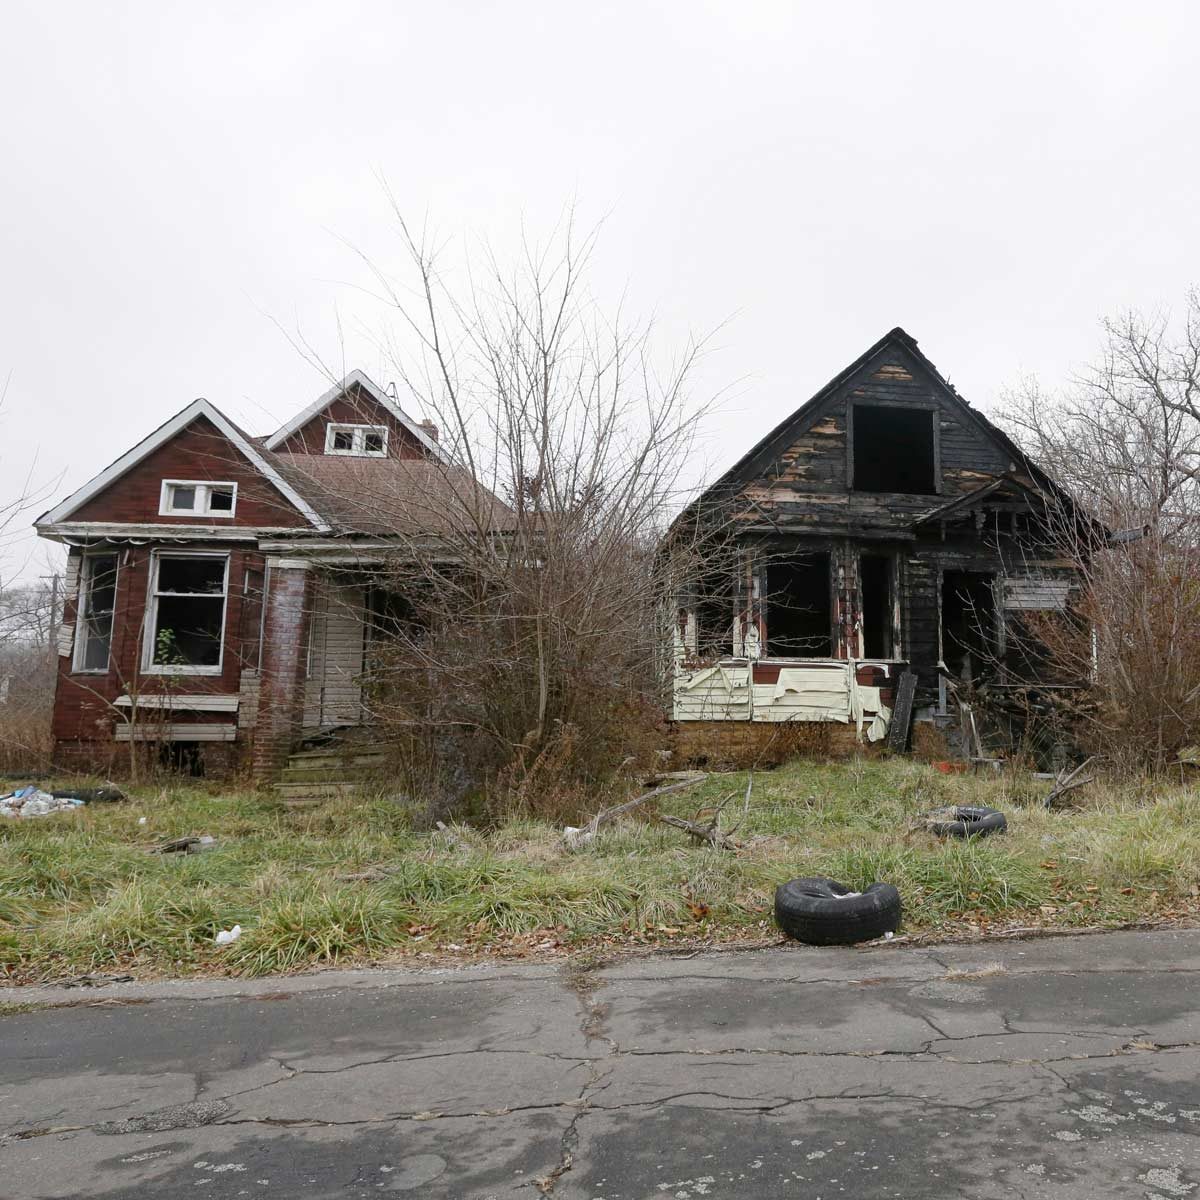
[{"x": 352, "y": 882}]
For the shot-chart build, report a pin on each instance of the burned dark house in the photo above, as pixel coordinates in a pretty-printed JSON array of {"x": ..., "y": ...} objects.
[{"x": 886, "y": 526}]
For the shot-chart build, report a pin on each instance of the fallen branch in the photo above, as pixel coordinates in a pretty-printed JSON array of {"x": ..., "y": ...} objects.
[
  {"x": 711, "y": 832},
  {"x": 574, "y": 837},
  {"x": 702, "y": 833},
  {"x": 1069, "y": 783}
]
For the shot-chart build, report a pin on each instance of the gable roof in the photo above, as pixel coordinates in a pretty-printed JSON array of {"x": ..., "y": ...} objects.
[
  {"x": 395, "y": 496},
  {"x": 281, "y": 435},
  {"x": 792, "y": 426},
  {"x": 163, "y": 434}
]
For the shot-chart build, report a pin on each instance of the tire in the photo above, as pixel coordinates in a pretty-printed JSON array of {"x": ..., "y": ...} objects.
[
  {"x": 971, "y": 822},
  {"x": 810, "y": 911}
]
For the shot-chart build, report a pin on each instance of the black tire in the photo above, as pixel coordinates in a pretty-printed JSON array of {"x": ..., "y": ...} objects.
[
  {"x": 809, "y": 910},
  {"x": 971, "y": 822}
]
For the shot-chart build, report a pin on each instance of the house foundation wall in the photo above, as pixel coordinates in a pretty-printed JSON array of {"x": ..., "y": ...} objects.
[{"x": 743, "y": 745}]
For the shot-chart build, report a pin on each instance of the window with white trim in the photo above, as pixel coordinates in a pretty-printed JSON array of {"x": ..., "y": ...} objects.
[
  {"x": 197, "y": 498},
  {"x": 94, "y": 617},
  {"x": 363, "y": 441},
  {"x": 185, "y": 627}
]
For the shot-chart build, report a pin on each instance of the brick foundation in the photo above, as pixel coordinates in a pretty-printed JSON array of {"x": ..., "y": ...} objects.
[
  {"x": 738, "y": 745},
  {"x": 110, "y": 760}
]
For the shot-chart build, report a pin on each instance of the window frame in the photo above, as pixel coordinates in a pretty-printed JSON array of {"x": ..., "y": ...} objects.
[
  {"x": 82, "y": 603},
  {"x": 204, "y": 490},
  {"x": 934, "y": 413},
  {"x": 358, "y": 439},
  {"x": 150, "y": 636}
]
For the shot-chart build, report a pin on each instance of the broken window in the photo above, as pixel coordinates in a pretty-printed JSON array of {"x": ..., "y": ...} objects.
[
  {"x": 893, "y": 449},
  {"x": 799, "y": 607},
  {"x": 364, "y": 441},
  {"x": 968, "y": 623},
  {"x": 190, "y": 497},
  {"x": 714, "y": 616},
  {"x": 186, "y": 625},
  {"x": 875, "y": 597},
  {"x": 97, "y": 601}
]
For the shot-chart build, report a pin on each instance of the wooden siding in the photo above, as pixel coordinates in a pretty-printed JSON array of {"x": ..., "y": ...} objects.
[
  {"x": 198, "y": 452},
  {"x": 333, "y": 691},
  {"x": 788, "y": 690},
  {"x": 806, "y": 485},
  {"x": 353, "y": 407}
]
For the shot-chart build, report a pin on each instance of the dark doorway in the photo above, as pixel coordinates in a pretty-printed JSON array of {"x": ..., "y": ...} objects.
[
  {"x": 875, "y": 592},
  {"x": 893, "y": 450},
  {"x": 799, "y": 607},
  {"x": 968, "y": 623}
]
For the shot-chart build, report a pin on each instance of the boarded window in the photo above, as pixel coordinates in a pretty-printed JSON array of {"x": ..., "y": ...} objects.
[
  {"x": 799, "y": 607},
  {"x": 875, "y": 589},
  {"x": 187, "y": 619},
  {"x": 97, "y": 601},
  {"x": 894, "y": 449}
]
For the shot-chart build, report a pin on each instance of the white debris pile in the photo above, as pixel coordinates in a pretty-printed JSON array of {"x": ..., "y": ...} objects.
[{"x": 33, "y": 802}]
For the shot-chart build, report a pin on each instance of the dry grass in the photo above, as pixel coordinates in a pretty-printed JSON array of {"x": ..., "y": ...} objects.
[{"x": 353, "y": 882}]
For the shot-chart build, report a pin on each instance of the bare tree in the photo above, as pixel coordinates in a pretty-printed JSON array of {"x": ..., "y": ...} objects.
[
  {"x": 1124, "y": 438},
  {"x": 525, "y": 651}
]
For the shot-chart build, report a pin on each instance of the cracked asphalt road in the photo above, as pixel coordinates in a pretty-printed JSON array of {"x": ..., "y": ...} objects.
[{"x": 1066, "y": 1067}]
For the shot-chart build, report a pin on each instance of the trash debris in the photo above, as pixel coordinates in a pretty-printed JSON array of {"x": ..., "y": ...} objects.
[
  {"x": 94, "y": 979},
  {"x": 141, "y": 820},
  {"x": 31, "y": 801},
  {"x": 225, "y": 936},
  {"x": 97, "y": 795},
  {"x": 184, "y": 845}
]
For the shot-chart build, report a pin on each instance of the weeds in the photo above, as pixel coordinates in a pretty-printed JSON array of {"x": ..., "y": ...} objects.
[{"x": 78, "y": 892}]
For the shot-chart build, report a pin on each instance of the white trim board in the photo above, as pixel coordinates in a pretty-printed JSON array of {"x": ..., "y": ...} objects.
[
  {"x": 208, "y": 702},
  {"x": 163, "y": 434},
  {"x": 323, "y": 401},
  {"x": 175, "y": 732}
]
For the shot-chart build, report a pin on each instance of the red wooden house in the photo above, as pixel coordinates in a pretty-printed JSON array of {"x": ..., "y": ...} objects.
[{"x": 218, "y": 598}]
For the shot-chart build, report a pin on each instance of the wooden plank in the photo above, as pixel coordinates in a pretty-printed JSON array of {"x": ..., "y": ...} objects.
[{"x": 902, "y": 713}]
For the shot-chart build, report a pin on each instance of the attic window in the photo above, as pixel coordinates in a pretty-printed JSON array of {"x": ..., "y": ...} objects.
[
  {"x": 194, "y": 498},
  {"x": 894, "y": 449},
  {"x": 363, "y": 441}
]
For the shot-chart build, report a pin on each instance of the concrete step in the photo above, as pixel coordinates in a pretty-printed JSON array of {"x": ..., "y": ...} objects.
[
  {"x": 336, "y": 762},
  {"x": 343, "y": 750},
  {"x": 314, "y": 791},
  {"x": 331, "y": 774}
]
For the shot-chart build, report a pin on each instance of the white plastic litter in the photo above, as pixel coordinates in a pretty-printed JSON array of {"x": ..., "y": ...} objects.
[
  {"x": 141, "y": 820},
  {"x": 33, "y": 802},
  {"x": 889, "y": 935},
  {"x": 225, "y": 936}
]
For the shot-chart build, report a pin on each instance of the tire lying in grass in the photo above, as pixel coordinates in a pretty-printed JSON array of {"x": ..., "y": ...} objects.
[
  {"x": 823, "y": 912},
  {"x": 967, "y": 822}
]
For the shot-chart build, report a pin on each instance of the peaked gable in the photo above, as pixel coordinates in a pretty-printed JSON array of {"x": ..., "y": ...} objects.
[
  {"x": 198, "y": 443},
  {"x": 356, "y": 400}
]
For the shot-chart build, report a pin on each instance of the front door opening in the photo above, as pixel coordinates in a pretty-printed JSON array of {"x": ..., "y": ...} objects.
[
  {"x": 875, "y": 590},
  {"x": 799, "y": 607},
  {"x": 968, "y": 623}
]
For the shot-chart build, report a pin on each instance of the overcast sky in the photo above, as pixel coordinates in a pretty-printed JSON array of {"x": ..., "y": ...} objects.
[{"x": 179, "y": 176}]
